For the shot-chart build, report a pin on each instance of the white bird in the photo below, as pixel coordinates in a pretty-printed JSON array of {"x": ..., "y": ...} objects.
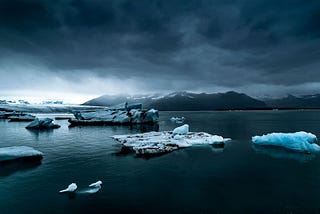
[
  {"x": 96, "y": 184},
  {"x": 71, "y": 188}
]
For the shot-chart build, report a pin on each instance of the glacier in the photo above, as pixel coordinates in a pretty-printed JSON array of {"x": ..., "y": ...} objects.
[
  {"x": 298, "y": 141},
  {"x": 45, "y": 123},
  {"x": 19, "y": 152},
  {"x": 154, "y": 143},
  {"x": 115, "y": 117}
]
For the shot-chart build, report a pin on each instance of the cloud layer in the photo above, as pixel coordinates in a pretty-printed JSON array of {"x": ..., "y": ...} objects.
[{"x": 96, "y": 47}]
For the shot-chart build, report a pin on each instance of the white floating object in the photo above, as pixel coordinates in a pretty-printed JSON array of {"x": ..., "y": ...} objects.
[
  {"x": 151, "y": 143},
  {"x": 96, "y": 184},
  {"x": 71, "y": 188},
  {"x": 298, "y": 141},
  {"x": 177, "y": 119},
  {"x": 184, "y": 129},
  {"x": 18, "y": 152}
]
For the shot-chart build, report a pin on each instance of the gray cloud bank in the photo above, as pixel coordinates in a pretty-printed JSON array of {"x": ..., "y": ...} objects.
[{"x": 94, "y": 46}]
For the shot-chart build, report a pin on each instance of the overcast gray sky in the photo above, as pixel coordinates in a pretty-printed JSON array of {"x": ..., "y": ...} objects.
[{"x": 77, "y": 49}]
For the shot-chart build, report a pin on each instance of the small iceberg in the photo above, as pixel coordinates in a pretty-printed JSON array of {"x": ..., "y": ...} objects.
[
  {"x": 45, "y": 123},
  {"x": 177, "y": 119},
  {"x": 115, "y": 117},
  {"x": 96, "y": 184},
  {"x": 7, "y": 114},
  {"x": 155, "y": 143},
  {"x": 184, "y": 129},
  {"x": 298, "y": 141},
  {"x": 19, "y": 152},
  {"x": 71, "y": 188},
  {"x": 93, "y": 188},
  {"x": 22, "y": 117}
]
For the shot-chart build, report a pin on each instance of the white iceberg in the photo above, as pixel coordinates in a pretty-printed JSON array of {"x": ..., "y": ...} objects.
[
  {"x": 22, "y": 117},
  {"x": 177, "y": 119},
  {"x": 71, "y": 188},
  {"x": 115, "y": 117},
  {"x": 163, "y": 142},
  {"x": 93, "y": 188},
  {"x": 298, "y": 141},
  {"x": 46, "y": 123},
  {"x": 96, "y": 184},
  {"x": 19, "y": 152},
  {"x": 184, "y": 129}
]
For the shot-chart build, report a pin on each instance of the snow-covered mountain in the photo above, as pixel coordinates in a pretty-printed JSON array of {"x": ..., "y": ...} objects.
[{"x": 184, "y": 101}]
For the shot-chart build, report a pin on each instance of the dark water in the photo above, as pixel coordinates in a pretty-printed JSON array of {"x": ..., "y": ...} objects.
[{"x": 237, "y": 179}]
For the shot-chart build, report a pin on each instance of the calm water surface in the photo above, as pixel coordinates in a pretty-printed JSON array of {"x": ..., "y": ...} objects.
[{"x": 237, "y": 179}]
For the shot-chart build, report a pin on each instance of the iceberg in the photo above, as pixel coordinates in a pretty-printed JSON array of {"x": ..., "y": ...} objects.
[
  {"x": 298, "y": 141},
  {"x": 177, "y": 119},
  {"x": 115, "y": 117},
  {"x": 96, "y": 184},
  {"x": 19, "y": 152},
  {"x": 7, "y": 114},
  {"x": 184, "y": 129},
  {"x": 71, "y": 188},
  {"x": 45, "y": 123},
  {"x": 22, "y": 117},
  {"x": 153, "y": 143}
]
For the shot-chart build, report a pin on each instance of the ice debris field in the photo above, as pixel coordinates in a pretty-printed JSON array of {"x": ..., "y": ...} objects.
[{"x": 167, "y": 141}]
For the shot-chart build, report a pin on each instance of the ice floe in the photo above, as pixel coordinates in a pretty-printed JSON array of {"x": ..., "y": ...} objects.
[
  {"x": 96, "y": 184},
  {"x": 115, "y": 117},
  {"x": 151, "y": 143},
  {"x": 93, "y": 188},
  {"x": 184, "y": 129},
  {"x": 298, "y": 141},
  {"x": 45, "y": 123},
  {"x": 71, "y": 188},
  {"x": 177, "y": 119},
  {"x": 22, "y": 117},
  {"x": 19, "y": 152}
]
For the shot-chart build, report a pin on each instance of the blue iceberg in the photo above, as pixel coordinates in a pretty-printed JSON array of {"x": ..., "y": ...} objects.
[
  {"x": 45, "y": 123},
  {"x": 19, "y": 152},
  {"x": 298, "y": 141}
]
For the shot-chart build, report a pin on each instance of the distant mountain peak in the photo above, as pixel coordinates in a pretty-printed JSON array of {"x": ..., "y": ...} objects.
[{"x": 183, "y": 100}]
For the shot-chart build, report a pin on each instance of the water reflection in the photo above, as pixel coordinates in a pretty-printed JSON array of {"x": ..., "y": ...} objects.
[
  {"x": 281, "y": 153},
  {"x": 37, "y": 132},
  {"x": 217, "y": 148},
  {"x": 10, "y": 167},
  {"x": 135, "y": 127}
]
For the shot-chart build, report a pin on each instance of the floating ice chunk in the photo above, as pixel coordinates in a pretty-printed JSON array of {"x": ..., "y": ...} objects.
[
  {"x": 22, "y": 117},
  {"x": 71, "y": 188},
  {"x": 167, "y": 141},
  {"x": 111, "y": 117},
  {"x": 298, "y": 141},
  {"x": 96, "y": 184},
  {"x": 177, "y": 119},
  {"x": 45, "y": 123},
  {"x": 184, "y": 129},
  {"x": 19, "y": 152}
]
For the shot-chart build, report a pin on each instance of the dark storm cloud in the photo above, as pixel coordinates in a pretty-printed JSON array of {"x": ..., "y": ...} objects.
[{"x": 180, "y": 45}]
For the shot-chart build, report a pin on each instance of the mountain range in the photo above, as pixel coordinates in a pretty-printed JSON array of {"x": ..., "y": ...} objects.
[{"x": 185, "y": 101}]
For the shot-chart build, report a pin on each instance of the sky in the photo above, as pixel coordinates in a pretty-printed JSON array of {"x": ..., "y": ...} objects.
[{"x": 74, "y": 50}]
